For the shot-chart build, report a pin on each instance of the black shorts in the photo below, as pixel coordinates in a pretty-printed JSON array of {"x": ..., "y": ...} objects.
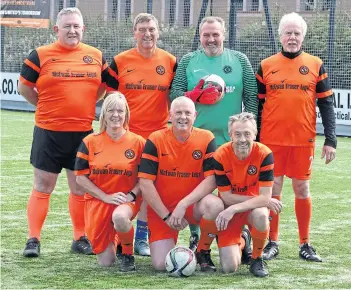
[{"x": 54, "y": 150}]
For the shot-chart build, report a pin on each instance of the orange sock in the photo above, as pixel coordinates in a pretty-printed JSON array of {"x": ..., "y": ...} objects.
[
  {"x": 37, "y": 210},
  {"x": 127, "y": 241},
  {"x": 208, "y": 233},
  {"x": 274, "y": 223},
  {"x": 258, "y": 241},
  {"x": 76, "y": 204},
  {"x": 303, "y": 211}
]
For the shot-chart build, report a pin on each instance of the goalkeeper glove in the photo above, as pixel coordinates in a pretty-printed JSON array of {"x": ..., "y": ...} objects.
[{"x": 207, "y": 96}]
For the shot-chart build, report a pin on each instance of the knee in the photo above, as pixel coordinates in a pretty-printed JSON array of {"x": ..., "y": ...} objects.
[
  {"x": 277, "y": 186},
  {"x": 43, "y": 185},
  {"x": 301, "y": 189},
  {"x": 121, "y": 222},
  {"x": 213, "y": 206},
  {"x": 230, "y": 266},
  {"x": 106, "y": 262},
  {"x": 260, "y": 219},
  {"x": 159, "y": 265}
]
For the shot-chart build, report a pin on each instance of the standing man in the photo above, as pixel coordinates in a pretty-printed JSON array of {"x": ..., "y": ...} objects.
[
  {"x": 289, "y": 83},
  {"x": 234, "y": 68},
  {"x": 177, "y": 179},
  {"x": 144, "y": 74},
  {"x": 63, "y": 80},
  {"x": 244, "y": 177}
]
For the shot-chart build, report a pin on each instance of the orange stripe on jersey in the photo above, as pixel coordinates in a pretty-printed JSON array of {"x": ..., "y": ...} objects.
[
  {"x": 82, "y": 172},
  {"x": 260, "y": 79},
  {"x": 32, "y": 65},
  {"x": 146, "y": 176},
  {"x": 268, "y": 167},
  {"x": 179, "y": 167},
  {"x": 324, "y": 94},
  {"x": 27, "y": 83},
  {"x": 150, "y": 157},
  {"x": 82, "y": 155},
  {"x": 209, "y": 173},
  {"x": 322, "y": 77},
  {"x": 224, "y": 188}
]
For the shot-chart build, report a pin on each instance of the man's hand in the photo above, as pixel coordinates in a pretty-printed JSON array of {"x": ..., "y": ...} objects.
[
  {"x": 275, "y": 205},
  {"x": 115, "y": 198},
  {"x": 329, "y": 153},
  {"x": 207, "y": 96},
  {"x": 177, "y": 217},
  {"x": 223, "y": 218},
  {"x": 179, "y": 225}
]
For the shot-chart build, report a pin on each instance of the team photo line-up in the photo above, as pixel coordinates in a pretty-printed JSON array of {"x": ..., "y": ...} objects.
[{"x": 216, "y": 169}]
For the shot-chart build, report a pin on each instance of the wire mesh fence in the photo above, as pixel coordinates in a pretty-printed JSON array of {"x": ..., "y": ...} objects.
[{"x": 248, "y": 23}]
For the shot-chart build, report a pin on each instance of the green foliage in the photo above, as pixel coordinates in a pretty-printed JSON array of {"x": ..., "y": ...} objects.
[{"x": 114, "y": 37}]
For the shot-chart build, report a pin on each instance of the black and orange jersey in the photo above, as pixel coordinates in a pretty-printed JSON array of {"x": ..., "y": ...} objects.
[
  {"x": 290, "y": 87},
  {"x": 67, "y": 82},
  {"x": 111, "y": 165},
  {"x": 243, "y": 177},
  {"x": 177, "y": 168},
  {"x": 145, "y": 82}
]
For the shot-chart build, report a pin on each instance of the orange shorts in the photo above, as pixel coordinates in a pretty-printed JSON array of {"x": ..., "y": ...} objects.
[
  {"x": 231, "y": 236},
  {"x": 99, "y": 225},
  {"x": 294, "y": 162},
  {"x": 159, "y": 230}
]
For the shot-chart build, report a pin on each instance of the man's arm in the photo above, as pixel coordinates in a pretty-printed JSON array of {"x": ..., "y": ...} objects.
[
  {"x": 262, "y": 200},
  {"x": 249, "y": 86},
  {"x": 180, "y": 82},
  {"x": 29, "y": 93},
  {"x": 326, "y": 107},
  {"x": 152, "y": 197},
  {"x": 28, "y": 77},
  {"x": 207, "y": 186},
  {"x": 261, "y": 89}
]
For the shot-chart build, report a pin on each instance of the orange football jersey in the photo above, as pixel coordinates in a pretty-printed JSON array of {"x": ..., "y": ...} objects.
[
  {"x": 175, "y": 167},
  {"x": 290, "y": 88},
  {"x": 111, "y": 165},
  {"x": 243, "y": 177},
  {"x": 67, "y": 82},
  {"x": 145, "y": 82}
]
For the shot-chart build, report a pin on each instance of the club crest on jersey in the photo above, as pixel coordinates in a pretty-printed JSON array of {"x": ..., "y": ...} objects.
[
  {"x": 87, "y": 59},
  {"x": 303, "y": 70},
  {"x": 227, "y": 69},
  {"x": 197, "y": 154},
  {"x": 160, "y": 70},
  {"x": 252, "y": 170},
  {"x": 130, "y": 154}
]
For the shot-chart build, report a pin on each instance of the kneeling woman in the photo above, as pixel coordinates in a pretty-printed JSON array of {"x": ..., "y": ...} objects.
[{"x": 107, "y": 167}]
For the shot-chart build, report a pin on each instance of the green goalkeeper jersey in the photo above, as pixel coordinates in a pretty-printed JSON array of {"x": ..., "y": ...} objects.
[{"x": 241, "y": 90}]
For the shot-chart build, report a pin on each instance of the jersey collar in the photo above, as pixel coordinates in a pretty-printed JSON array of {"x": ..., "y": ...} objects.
[{"x": 291, "y": 55}]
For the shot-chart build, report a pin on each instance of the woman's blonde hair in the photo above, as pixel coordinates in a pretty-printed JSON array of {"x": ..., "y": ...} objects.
[{"x": 112, "y": 100}]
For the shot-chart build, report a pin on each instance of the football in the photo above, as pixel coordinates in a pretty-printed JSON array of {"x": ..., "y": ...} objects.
[
  {"x": 180, "y": 262},
  {"x": 216, "y": 81}
]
